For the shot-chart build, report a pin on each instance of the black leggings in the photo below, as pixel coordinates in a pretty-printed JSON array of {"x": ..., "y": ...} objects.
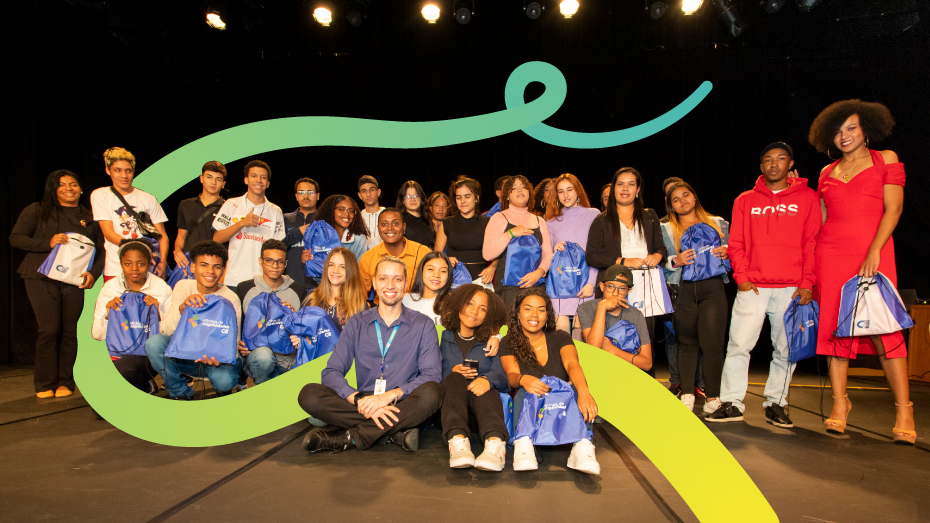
[{"x": 700, "y": 323}]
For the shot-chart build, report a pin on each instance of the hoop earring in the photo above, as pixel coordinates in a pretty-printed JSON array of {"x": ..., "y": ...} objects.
[{"x": 830, "y": 156}]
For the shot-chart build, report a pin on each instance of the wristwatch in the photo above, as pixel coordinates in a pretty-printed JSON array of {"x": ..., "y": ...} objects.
[{"x": 359, "y": 396}]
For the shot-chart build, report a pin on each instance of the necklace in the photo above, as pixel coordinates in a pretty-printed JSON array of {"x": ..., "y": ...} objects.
[
  {"x": 467, "y": 339},
  {"x": 537, "y": 348},
  {"x": 846, "y": 174}
]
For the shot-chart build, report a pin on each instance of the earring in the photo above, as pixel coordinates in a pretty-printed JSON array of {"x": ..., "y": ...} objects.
[
  {"x": 830, "y": 156},
  {"x": 866, "y": 142}
]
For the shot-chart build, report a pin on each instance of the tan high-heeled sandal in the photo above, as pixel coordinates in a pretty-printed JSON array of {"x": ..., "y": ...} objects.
[
  {"x": 837, "y": 426},
  {"x": 903, "y": 436}
]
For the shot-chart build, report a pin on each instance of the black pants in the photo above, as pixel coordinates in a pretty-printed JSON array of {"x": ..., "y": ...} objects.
[
  {"x": 701, "y": 323},
  {"x": 324, "y": 404},
  {"x": 137, "y": 370},
  {"x": 460, "y": 407},
  {"x": 57, "y": 307}
]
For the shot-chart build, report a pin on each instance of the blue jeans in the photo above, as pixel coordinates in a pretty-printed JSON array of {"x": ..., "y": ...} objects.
[
  {"x": 262, "y": 364},
  {"x": 518, "y": 407},
  {"x": 749, "y": 312},
  {"x": 671, "y": 352},
  {"x": 223, "y": 378}
]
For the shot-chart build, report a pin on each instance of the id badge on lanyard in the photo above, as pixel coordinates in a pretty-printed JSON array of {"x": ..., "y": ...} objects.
[{"x": 381, "y": 383}]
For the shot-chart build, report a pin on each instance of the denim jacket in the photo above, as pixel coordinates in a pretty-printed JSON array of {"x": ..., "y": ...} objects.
[
  {"x": 673, "y": 276},
  {"x": 490, "y": 368}
]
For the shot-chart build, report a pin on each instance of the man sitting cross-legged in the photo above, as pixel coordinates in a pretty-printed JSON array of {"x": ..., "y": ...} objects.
[{"x": 397, "y": 365}]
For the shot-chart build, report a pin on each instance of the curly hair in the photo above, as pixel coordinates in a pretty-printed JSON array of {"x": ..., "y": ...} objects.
[
  {"x": 508, "y": 188},
  {"x": 210, "y": 248},
  {"x": 140, "y": 246},
  {"x": 519, "y": 344},
  {"x": 539, "y": 197},
  {"x": 875, "y": 119},
  {"x": 326, "y": 212},
  {"x": 457, "y": 300}
]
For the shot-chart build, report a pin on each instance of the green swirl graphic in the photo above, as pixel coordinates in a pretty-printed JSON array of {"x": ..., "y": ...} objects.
[{"x": 656, "y": 422}]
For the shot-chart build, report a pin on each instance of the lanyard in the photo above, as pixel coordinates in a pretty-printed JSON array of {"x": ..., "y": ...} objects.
[{"x": 384, "y": 350}]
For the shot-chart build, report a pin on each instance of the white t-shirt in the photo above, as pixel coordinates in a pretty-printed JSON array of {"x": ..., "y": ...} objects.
[
  {"x": 423, "y": 305},
  {"x": 154, "y": 287},
  {"x": 371, "y": 221},
  {"x": 246, "y": 246},
  {"x": 106, "y": 206}
]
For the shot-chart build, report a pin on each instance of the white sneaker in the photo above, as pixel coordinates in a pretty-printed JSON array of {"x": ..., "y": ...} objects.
[
  {"x": 524, "y": 455},
  {"x": 688, "y": 401},
  {"x": 493, "y": 457},
  {"x": 711, "y": 406},
  {"x": 460, "y": 455},
  {"x": 582, "y": 458}
]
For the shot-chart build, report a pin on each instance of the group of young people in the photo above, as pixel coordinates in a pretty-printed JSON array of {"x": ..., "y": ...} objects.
[{"x": 390, "y": 283}]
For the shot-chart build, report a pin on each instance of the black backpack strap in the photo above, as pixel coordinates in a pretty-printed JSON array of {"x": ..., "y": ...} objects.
[{"x": 143, "y": 222}]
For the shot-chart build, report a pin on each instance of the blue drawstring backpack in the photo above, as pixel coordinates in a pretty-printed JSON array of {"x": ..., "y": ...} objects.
[
  {"x": 460, "y": 275},
  {"x": 156, "y": 252},
  {"x": 568, "y": 272},
  {"x": 320, "y": 237},
  {"x": 553, "y": 419},
  {"x": 702, "y": 238},
  {"x": 68, "y": 261},
  {"x": 181, "y": 273},
  {"x": 624, "y": 336},
  {"x": 870, "y": 307},
  {"x": 801, "y": 329},
  {"x": 508, "y": 414},
  {"x": 523, "y": 257},
  {"x": 316, "y": 330},
  {"x": 263, "y": 325},
  {"x": 496, "y": 208},
  {"x": 130, "y": 326},
  {"x": 210, "y": 330}
]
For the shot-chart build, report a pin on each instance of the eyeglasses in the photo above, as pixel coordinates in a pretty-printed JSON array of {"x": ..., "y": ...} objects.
[
  {"x": 350, "y": 210},
  {"x": 275, "y": 263},
  {"x": 306, "y": 193},
  {"x": 609, "y": 287},
  {"x": 411, "y": 196}
]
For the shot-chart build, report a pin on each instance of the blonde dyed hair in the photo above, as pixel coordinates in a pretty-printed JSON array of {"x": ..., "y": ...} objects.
[
  {"x": 115, "y": 154},
  {"x": 351, "y": 300},
  {"x": 673, "y": 220}
]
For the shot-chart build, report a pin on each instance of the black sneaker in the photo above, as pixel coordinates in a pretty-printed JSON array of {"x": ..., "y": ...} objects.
[
  {"x": 675, "y": 389},
  {"x": 335, "y": 440},
  {"x": 183, "y": 398},
  {"x": 408, "y": 439},
  {"x": 727, "y": 412},
  {"x": 776, "y": 415}
]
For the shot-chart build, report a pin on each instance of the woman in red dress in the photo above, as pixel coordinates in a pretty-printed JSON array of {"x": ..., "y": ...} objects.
[{"x": 862, "y": 196}]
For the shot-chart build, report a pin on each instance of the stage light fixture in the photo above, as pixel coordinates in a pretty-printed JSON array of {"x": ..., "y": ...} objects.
[
  {"x": 464, "y": 10},
  {"x": 773, "y": 6},
  {"x": 534, "y": 9},
  {"x": 730, "y": 13},
  {"x": 216, "y": 12},
  {"x": 656, "y": 10},
  {"x": 689, "y": 7},
  {"x": 805, "y": 6},
  {"x": 430, "y": 12},
  {"x": 357, "y": 12},
  {"x": 323, "y": 15},
  {"x": 568, "y": 8}
]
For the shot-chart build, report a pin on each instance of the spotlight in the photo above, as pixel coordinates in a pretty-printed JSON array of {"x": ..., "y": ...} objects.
[
  {"x": 463, "y": 9},
  {"x": 430, "y": 12},
  {"x": 215, "y": 15},
  {"x": 731, "y": 14},
  {"x": 357, "y": 12},
  {"x": 689, "y": 7},
  {"x": 534, "y": 9},
  {"x": 323, "y": 16},
  {"x": 773, "y": 6},
  {"x": 657, "y": 9},
  {"x": 805, "y": 6},
  {"x": 568, "y": 8}
]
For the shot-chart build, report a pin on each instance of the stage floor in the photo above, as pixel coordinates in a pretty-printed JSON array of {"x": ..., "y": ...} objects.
[{"x": 59, "y": 462}]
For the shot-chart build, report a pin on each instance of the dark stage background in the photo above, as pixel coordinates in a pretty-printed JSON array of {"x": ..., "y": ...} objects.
[{"x": 152, "y": 76}]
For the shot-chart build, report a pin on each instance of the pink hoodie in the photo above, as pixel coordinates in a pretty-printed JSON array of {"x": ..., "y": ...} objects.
[{"x": 772, "y": 236}]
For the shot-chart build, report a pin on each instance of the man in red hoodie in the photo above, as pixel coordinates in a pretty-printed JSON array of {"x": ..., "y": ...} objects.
[{"x": 772, "y": 239}]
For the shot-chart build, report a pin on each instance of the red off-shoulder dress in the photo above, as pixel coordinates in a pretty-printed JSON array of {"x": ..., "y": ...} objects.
[{"x": 854, "y": 210}]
